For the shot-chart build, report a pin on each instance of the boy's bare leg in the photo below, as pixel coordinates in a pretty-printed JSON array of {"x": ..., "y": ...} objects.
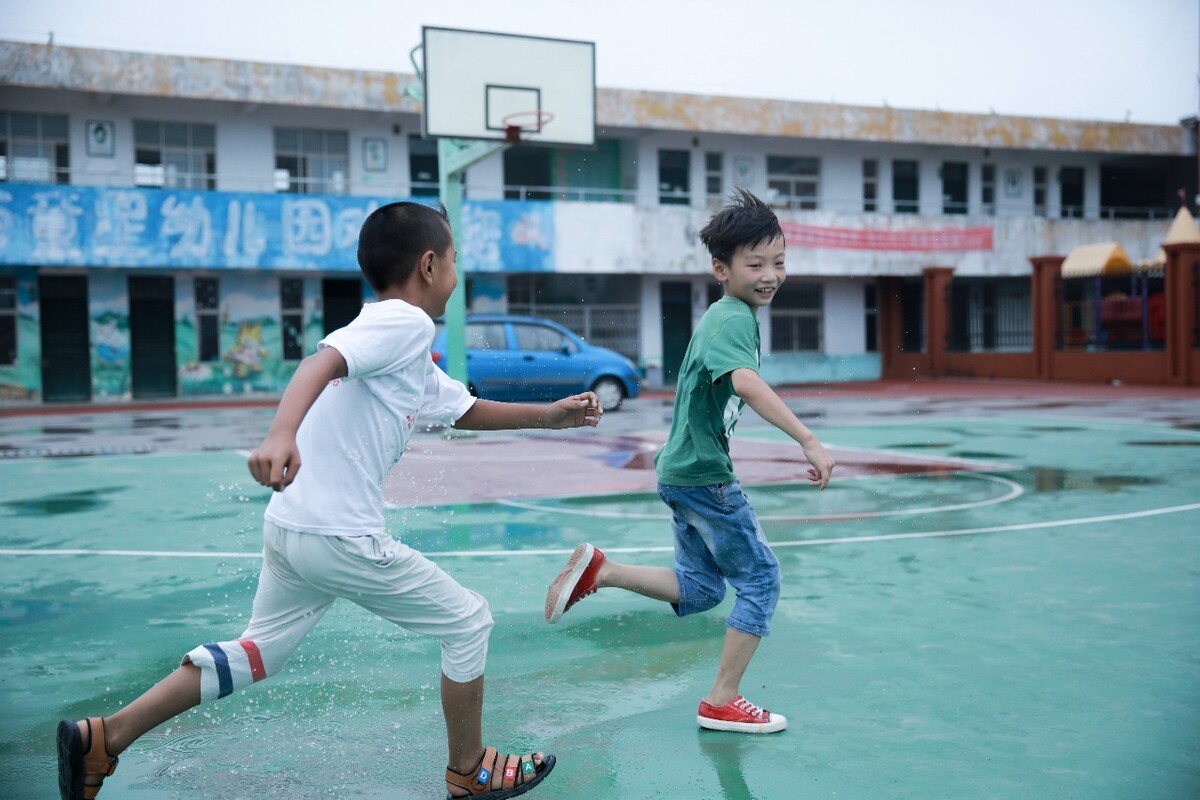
[
  {"x": 735, "y": 657},
  {"x": 167, "y": 699},
  {"x": 658, "y": 583},
  {"x": 462, "y": 706}
]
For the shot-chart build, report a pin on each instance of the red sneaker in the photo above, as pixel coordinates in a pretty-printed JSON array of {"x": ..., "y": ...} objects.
[
  {"x": 739, "y": 715},
  {"x": 576, "y": 581}
]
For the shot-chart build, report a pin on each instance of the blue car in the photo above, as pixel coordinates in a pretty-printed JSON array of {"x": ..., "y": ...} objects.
[{"x": 525, "y": 358}]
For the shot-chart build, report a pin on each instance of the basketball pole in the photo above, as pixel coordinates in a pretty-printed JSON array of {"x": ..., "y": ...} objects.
[{"x": 454, "y": 157}]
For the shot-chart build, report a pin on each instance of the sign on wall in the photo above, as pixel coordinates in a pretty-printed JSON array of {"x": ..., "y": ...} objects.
[{"x": 47, "y": 225}]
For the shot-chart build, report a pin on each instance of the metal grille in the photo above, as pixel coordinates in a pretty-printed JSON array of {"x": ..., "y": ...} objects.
[{"x": 990, "y": 314}]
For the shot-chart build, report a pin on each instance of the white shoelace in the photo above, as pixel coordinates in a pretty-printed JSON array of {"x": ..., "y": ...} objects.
[{"x": 748, "y": 707}]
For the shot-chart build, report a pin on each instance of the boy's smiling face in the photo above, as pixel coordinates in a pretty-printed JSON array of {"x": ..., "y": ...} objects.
[{"x": 754, "y": 274}]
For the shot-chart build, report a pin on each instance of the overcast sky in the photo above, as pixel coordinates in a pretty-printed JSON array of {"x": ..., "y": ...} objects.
[{"x": 1092, "y": 59}]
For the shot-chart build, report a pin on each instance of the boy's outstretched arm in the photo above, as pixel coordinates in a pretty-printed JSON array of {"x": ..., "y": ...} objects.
[
  {"x": 575, "y": 411},
  {"x": 276, "y": 461},
  {"x": 749, "y": 385}
]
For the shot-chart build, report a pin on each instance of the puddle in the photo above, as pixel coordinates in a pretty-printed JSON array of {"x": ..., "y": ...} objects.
[
  {"x": 1046, "y": 479},
  {"x": 173, "y": 423},
  {"x": 1055, "y": 428},
  {"x": 23, "y": 612},
  {"x": 65, "y": 430},
  {"x": 1169, "y": 443},
  {"x": 916, "y": 445},
  {"x": 65, "y": 503}
]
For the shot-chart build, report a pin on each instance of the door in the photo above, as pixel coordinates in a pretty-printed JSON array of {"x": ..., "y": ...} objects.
[
  {"x": 490, "y": 361},
  {"x": 66, "y": 349},
  {"x": 153, "y": 369},
  {"x": 676, "y": 306},
  {"x": 547, "y": 361},
  {"x": 342, "y": 300}
]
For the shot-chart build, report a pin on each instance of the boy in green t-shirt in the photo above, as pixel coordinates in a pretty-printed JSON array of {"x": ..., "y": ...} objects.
[{"x": 717, "y": 535}]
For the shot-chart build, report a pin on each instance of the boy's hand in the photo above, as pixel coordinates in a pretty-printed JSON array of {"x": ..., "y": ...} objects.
[
  {"x": 275, "y": 462},
  {"x": 575, "y": 411},
  {"x": 822, "y": 463}
]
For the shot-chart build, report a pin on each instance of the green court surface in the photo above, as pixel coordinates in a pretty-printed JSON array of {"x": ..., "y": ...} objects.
[{"x": 1019, "y": 620}]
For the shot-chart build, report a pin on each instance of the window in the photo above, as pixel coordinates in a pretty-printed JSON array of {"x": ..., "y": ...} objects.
[
  {"x": 208, "y": 322},
  {"x": 714, "y": 179},
  {"x": 310, "y": 161},
  {"x": 174, "y": 155},
  {"x": 33, "y": 148},
  {"x": 1039, "y": 191},
  {"x": 291, "y": 317},
  {"x": 486, "y": 336},
  {"x": 528, "y": 173},
  {"x": 796, "y": 315},
  {"x": 906, "y": 195},
  {"x": 1070, "y": 187},
  {"x": 870, "y": 183},
  {"x": 539, "y": 337},
  {"x": 794, "y": 182},
  {"x": 8, "y": 321},
  {"x": 987, "y": 189},
  {"x": 423, "y": 166},
  {"x": 674, "y": 177},
  {"x": 871, "y": 317},
  {"x": 954, "y": 187}
]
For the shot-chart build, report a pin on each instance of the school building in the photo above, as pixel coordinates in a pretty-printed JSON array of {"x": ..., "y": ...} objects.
[{"x": 186, "y": 227}]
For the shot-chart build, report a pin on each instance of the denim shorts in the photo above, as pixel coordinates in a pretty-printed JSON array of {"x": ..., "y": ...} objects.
[{"x": 718, "y": 539}]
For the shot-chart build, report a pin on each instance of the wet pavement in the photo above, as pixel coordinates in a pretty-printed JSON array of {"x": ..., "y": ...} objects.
[{"x": 996, "y": 598}]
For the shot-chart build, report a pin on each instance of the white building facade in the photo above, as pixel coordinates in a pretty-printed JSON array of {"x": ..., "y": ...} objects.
[{"x": 177, "y": 226}]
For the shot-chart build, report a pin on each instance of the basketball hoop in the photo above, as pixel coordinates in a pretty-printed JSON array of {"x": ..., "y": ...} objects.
[{"x": 524, "y": 122}]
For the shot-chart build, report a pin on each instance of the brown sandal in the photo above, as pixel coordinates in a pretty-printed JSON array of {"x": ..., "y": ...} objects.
[
  {"x": 518, "y": 774},
  {"x": 74, "y": 764}
]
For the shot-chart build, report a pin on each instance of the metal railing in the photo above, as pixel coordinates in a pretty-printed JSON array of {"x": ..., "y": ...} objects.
[{"x": 269, "y": 183}]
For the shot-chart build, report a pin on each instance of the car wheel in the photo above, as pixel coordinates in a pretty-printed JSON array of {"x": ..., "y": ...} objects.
[{"x": 611, "y": 393}]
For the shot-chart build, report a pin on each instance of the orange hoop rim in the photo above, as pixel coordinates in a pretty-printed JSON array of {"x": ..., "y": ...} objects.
[{"x": 512, "y": 120}]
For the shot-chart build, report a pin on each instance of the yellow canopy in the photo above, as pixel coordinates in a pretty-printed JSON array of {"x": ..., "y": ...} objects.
[{"x": 1088, "y": 260}]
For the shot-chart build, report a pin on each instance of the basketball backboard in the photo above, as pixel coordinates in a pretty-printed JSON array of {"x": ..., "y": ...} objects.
[{"x": 504, "y": 87}]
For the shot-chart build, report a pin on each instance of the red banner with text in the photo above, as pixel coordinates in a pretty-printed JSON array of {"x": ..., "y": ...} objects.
[{"x": 911, "y": 241}]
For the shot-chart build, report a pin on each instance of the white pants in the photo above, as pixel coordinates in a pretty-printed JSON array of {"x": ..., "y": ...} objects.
[{"x": 303, "y": 573}]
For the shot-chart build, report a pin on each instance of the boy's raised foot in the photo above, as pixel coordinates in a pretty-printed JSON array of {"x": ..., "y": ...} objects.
[
  {"x": 576, "y": 581},
  {"x": 740, "y": 716}
]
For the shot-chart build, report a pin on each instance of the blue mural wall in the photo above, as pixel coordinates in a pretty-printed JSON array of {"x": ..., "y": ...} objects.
[{"x": 47, "y": 225}]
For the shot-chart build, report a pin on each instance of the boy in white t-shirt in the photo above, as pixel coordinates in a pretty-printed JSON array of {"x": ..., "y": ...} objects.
[{"x": 348, "y": 412}]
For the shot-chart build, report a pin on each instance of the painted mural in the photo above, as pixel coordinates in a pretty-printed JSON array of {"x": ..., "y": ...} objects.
[{"x": 50, "y": 225}]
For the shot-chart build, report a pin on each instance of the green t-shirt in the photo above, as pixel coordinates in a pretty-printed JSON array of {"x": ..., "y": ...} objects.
[{"x": 706, "y": 409}]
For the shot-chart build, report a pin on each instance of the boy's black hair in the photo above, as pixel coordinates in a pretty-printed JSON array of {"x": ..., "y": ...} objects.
[
  {"x": 744, "y": 221},
  {"x": 394, "y": 237}
]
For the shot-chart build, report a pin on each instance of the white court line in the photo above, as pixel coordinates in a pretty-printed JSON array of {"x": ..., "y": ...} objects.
[
  {"x": 1014, "y": 491},
  {"x": 884, "y": 537}
]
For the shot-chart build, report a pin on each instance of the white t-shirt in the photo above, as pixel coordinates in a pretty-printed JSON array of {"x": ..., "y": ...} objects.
[{"x": 358, "y": 427}]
